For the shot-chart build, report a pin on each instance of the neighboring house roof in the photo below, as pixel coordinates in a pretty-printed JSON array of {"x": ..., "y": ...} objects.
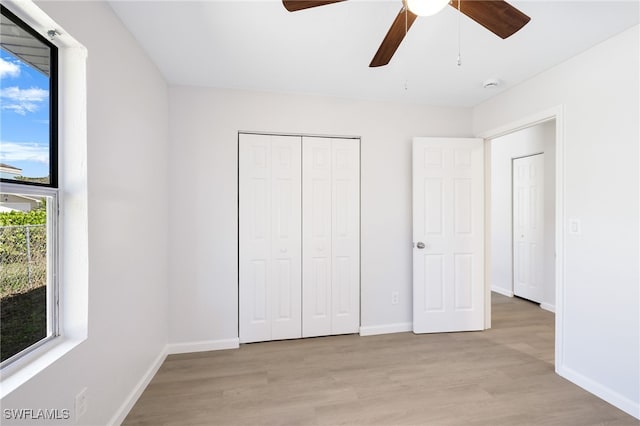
[
  {"x": 26, "y": 47},
  {"x": 16, "y": 202},
  {"x": 18, "y": 198},
  {"x": 10, "y": 169},
  {"x": 5, "y": 209}
]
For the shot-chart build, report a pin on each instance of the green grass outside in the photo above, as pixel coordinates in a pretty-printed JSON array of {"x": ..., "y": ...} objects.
[
  {"x": 23, "y": 321},
  {"x": 23, "y": 294}
]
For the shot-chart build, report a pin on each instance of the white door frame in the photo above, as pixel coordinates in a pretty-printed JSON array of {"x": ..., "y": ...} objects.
[{"x": 556, "y": 113}]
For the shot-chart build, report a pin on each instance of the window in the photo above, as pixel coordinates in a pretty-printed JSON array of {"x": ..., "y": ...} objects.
[{"x": 28, "y": 189}]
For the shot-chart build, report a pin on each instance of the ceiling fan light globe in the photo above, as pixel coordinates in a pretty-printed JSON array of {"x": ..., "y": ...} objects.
[{"x": 426, "y": 7}]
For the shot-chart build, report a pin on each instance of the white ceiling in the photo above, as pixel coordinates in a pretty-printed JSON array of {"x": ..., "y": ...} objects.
[{"x": 326, "y": 50}]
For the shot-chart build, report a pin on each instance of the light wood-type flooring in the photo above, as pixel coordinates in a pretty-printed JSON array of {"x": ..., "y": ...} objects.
[{"x": 502, "y": 376}]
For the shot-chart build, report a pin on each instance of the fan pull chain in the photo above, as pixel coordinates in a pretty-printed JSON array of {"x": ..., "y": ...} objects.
[
  {"x": 459, "y": 34},
  {"x": 406, "y": 30}
]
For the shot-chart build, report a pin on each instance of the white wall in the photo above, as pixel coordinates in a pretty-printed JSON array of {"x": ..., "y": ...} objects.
[
  {"x": 204, "y": 269},
  {"x": 533, "y": 140},
  {"x": 128, "y": 221},
  {"x": 601, "y": 296}
]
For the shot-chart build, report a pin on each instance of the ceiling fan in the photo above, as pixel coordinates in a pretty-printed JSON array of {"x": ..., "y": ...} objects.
[{"x": 497, "y": 16}]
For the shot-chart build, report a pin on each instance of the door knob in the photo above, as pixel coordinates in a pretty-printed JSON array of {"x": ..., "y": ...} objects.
[{"x": 420, "y": 245}]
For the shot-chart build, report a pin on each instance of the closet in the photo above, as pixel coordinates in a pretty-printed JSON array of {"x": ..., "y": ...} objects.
[{"x": 299, "y": 236}]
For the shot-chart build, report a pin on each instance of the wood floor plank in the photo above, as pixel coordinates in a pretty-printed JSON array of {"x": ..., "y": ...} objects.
[{"x": 502, "y": 376}]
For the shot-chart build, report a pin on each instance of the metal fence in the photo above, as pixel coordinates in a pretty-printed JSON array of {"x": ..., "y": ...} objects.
[{"x": 23, "y": 258}]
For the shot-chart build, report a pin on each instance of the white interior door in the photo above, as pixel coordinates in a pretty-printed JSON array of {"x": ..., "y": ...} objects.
[
  {"x": 269, "y": 237},
  {"x": 448, "y": 235},
  {"x": 331, "y": 236},
  {"x": 528, "y": 227}
]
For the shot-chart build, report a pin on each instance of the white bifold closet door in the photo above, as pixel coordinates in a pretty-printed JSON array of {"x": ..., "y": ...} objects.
[
  {"x": 269, "y": 237},
  {"x": 330, "y": 236}
]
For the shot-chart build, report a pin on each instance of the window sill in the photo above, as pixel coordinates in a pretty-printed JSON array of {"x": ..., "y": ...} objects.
[{"x": 24, "y": 369}]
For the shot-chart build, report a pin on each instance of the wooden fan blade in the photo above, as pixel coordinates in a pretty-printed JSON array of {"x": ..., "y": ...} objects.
[
  {"x": 293, "y": 5},
  {"x": 394, "y": 37},
  {"x": 497, "y": 16}
]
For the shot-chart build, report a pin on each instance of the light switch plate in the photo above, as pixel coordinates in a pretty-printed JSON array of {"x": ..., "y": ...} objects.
[{"x": 575, "y": 226}]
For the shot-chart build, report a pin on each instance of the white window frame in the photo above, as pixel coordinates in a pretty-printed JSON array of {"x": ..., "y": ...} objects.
[
  {"x": 73, "y": 251},
  {"x": 53, "y": 294},
  {"x": 48, "y": 190}
]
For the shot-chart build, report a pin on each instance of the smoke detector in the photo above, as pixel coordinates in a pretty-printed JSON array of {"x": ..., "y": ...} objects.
[{"x": 491, "y": 83}]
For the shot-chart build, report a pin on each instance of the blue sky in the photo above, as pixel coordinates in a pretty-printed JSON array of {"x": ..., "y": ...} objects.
[{"x": 24, "y": 116}]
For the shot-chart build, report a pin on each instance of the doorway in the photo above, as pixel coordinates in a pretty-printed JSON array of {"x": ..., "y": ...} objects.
[
  {"x": 552, "y": 117},
  {"x": 523, "y": 214}
]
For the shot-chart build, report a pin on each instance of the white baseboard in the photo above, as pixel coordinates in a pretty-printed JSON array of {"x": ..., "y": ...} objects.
[
  {"x": 548, "y": 307},
  {"x": 400, "y": 327},
  {"x": 625, "y": 404},
  {"x": 502, "y": 291},
  {"x": 203, "y": 346},
  {"x": 131, "y": 399}
]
